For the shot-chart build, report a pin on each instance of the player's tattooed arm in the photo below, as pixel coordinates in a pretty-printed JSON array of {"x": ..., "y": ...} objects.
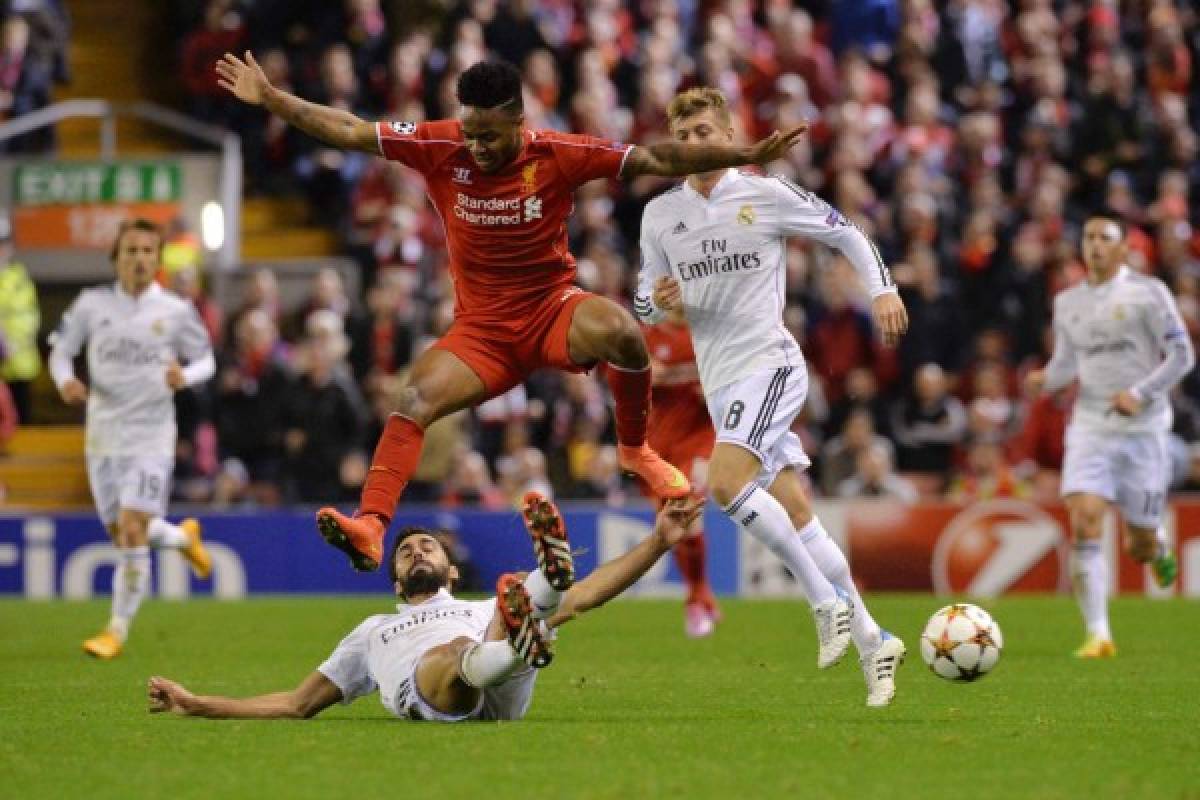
[
  {"x": 681, "y": 158},
  {"x": 314, "y": 694},
  {"x": 247, "y": 82},
  {"x": 613, "y": 577}
]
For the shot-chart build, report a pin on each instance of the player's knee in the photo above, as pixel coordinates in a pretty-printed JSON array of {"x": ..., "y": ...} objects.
[
  {"x": 411, "y": 402},
  {"x": 723, "y": 490},
  {"x": 629, "y": 348}
]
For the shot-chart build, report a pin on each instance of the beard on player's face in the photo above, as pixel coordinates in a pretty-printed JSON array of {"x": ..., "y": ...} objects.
[{"x": 425, "y": 577}]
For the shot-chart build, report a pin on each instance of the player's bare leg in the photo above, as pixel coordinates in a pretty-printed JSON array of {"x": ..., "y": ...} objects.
[
  {"x": 440, "y": 384},
  {"x": 1089, "y": 572},
  {"x": 603, "y": 331},
  {"x": 732, "y": 473},
  {"x": 131, "y": 583},
  {"x": 1150, "y": 546}
]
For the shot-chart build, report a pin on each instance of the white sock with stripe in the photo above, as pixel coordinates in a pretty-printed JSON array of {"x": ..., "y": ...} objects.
[
  {"x": 1090, "y": 573},
  {"x": 542, "y": 596},
  {"x": 131, "y": 584},
  {"x": 830, "y": 559},
  {"x": 489, "y": 663},
  {"x": 764, "y": 518},
  {"x": 161, "y": 533}
]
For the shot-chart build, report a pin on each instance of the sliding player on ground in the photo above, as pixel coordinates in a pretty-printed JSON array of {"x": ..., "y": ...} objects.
[
  {"x": 444, "y": 659},
  {"x": 714, "y": 247},
  {"x": 1120, "y": 334},
  {"x": 504, "y": 192},
  {"x": 137, "y": 334}
]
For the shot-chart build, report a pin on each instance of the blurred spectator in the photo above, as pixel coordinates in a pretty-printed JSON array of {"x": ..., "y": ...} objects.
[
  {"x": 324, "y": 418},
  {"x": 9, "y": 420},
  {"x": 985, "y": 476},
  {"x": 840, "y": 455},
  {"x": 259, "y": 293},
  {"x": 20, "y": 317},
  {"x": 873, "y": 477},
  {"x": 327, "y": 292},
  {"x": 185, "y": 282},
  {"x": 220, "y": 31},
  {"x": 252, "y": 387},
  {"x": 936, "y": 331},
  {"x": 928, "y": 423},
  {"x": 469, "y": 483},
  {"x": 382, "y": 342}
]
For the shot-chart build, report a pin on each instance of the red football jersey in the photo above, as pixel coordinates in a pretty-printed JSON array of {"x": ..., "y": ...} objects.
[
  {"x": 506, "y": 232},
  {"x": 678, "y": 415}
]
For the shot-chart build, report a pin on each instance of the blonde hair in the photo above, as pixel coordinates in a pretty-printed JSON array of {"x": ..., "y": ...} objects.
[{"x": 697, "y": 99}]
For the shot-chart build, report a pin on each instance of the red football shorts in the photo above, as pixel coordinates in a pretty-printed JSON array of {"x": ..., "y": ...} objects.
[{"x": 503, "y": 353}]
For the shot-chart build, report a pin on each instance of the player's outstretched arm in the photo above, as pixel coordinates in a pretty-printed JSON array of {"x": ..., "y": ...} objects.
[
  {"x": 681, "y": 158},
  {"x": 611, "y": 578},
  {"x": 246, "y": 80},
  {"x": 314, "y": 694}
]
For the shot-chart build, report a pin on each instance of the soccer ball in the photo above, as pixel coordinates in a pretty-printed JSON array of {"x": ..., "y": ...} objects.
[{"x": 961, "y": 642}]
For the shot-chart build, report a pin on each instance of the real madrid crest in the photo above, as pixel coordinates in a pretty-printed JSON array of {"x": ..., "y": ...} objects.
[
  {"x": 745, "y": 215},
  {"x": 158, "y": 327}
]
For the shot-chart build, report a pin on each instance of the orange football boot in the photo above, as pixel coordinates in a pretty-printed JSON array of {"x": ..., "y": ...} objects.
[
  {"x": 661, "y": 478},
  {"x": 359, "y": 537}
]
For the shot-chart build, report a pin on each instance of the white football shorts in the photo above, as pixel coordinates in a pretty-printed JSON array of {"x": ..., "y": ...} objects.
[
  {"x": 1130, "y": 470},
  {"x": 756, "y": 413},
  {"x": 139, "y": 483}
]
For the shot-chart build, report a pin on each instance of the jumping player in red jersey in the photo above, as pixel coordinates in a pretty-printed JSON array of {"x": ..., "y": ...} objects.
[
  {"x": 504, "y": 193},
  {"x": 681, "y": 431}
]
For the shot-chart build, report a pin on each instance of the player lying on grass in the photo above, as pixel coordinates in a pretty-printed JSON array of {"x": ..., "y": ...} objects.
[{"x": 444, "y": 659}]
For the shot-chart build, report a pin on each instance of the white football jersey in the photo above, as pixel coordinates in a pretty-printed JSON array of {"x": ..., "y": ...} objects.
[
  {"x": 1125, "y": 333},
  {"x": 130, "y": 341},
  {"x": 728, "y": 252},
  {"x": 383, "y": 651}
]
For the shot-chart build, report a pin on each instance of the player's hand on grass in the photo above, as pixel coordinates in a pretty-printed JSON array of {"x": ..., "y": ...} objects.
[
  {"x": 74, "y": 392},
  {"x": 175, "y": 377},
  {"x": 675, "y": 518},
  {"x": 667, "y": 294},
  {"x": 776, "y": 145},
  {"x": 890, "y": 317},
  {"x": 1126, "y": 403},
  {"x": 245, "y": 79},
  {"x": 167, "y": 695}
]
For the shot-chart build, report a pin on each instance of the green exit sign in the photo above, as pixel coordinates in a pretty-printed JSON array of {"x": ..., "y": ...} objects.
[{"x": 95, "y": 183}]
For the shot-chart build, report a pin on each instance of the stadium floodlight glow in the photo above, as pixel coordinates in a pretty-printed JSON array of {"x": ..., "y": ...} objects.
[{"x": 212, "y": 225}]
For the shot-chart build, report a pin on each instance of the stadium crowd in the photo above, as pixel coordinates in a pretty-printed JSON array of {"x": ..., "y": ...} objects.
[
  {"x": 968, "y": 138},
  {"x": 33, "y": 57}
]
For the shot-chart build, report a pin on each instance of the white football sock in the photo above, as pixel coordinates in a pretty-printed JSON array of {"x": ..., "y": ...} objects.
[
  {"x": 1090, "y": 573},
  {"x": 542, "y": 596},
  {"x": 163, "y": 534},
  {"x": 765, "y": 519},
  {"x": 1162, "y": 543},
  {"x": 131, "y": 583},
  {"x": 833, "y": 565},
  {"x": 489, "y": 663}
]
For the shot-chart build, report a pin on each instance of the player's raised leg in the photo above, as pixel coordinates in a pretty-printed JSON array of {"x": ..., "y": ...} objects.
[
  {"x": 186, "y": 537},
  {"x": 131, "y": 583},
  {"x": 1089, "y": 572},
  {"x": 603, "y": 331},
  {"x": 732, "y": 481},
  {"x": 880, "y": 653},
  {"x": 441, "y": 383}
]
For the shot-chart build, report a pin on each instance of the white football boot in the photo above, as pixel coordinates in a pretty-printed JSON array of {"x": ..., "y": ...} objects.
[
  {"x": 833, "y": 630},
  {"x": 879, "y": 670}
]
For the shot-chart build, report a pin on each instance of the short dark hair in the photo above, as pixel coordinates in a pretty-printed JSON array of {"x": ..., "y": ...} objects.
[
  {"x": 1108, "y": 216},
  {"x": 491, "y": 84},
  {"x": 411, "y": 530},
  {"x": 135, "y": 224}
]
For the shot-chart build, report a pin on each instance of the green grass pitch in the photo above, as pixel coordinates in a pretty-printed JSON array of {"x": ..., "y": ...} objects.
[{"x": 630, "y": 709}]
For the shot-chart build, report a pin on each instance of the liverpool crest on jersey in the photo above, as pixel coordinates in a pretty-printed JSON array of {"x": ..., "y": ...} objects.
[
  {"x": 745, "y": 215},
  {"x": 529, "y": 178}
]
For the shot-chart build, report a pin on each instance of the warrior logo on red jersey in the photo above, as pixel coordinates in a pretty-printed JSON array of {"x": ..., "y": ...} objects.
[{"x": 404, "y": 128}]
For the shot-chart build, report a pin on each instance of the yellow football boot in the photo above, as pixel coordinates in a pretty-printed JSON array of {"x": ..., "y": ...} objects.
[
  {"x": 195, "y": 553},
  {"x": 104, "y": 645},
  {"x": 1096, "y": 647}
]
